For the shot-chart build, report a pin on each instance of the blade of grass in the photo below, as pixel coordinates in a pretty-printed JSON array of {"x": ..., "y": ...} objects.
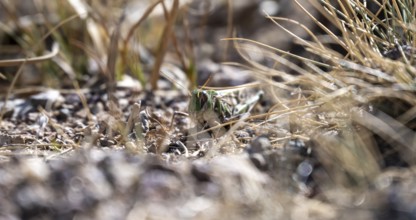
[
  {"x": 17, "y": 62},
  {"x": 163, "y": 45}
]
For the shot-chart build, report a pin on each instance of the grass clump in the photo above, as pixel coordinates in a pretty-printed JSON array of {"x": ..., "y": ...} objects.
[
  {"x": 95, "y": 38},
  {"x": 352, "y": 91}
]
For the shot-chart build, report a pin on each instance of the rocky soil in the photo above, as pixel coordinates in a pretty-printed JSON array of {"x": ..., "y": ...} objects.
[{"x": 75, "y": 154}]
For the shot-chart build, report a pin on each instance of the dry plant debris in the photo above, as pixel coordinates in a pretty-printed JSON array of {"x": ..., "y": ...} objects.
[{"x": 101, "y": 116}]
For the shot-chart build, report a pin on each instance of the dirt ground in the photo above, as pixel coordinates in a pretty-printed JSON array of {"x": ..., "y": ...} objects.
[{"x": 83, "y": 151}]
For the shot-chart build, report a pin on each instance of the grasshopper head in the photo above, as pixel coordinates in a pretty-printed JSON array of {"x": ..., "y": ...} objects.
[
  {"x": 198, "y": 100},
  {"x": 202, "y": 100}
]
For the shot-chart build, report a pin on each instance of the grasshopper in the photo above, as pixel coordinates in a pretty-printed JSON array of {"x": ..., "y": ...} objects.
[{"x": 212, "y": 107}]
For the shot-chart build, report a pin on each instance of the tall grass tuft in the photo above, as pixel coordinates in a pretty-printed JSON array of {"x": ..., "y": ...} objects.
[{"x": 353, "y": 93}]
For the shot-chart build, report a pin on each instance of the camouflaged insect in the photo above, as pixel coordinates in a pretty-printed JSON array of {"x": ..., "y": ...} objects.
[{"x": 213, "y": 107}]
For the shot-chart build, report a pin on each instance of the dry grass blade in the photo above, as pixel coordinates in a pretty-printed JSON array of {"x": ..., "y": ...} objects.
[
  {"x": 322, "y": 26},
  {"x": 140, "y": 21},
  {"x": 285, "y": 53},
  {"x": 112, "y": 55},
  {"x": 22, "y": 62},
  {"x": 314, "y": 37},
  {"x": 230, "y": 27},
  {"x": 9, "y": 91},
  {"x": 155, "y": 75},
  {"x": 350, "y": 160},
  {"x": 391, "y": 130},
  {"x": 17, "y": 62}
]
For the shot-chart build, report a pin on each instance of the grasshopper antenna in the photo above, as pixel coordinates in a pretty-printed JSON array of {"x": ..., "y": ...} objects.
[{"x": 207, "y": 81}]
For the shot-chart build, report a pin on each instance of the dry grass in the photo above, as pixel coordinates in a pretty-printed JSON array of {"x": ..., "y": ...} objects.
[
  {"x": 356, "y": 103},
  {"x": 85, "y": 32},
  {"x": 332, "y": 98},
  {"x": 351, "y": 94}
]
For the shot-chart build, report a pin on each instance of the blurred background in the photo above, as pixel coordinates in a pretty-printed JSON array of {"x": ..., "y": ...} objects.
[{"x": 83, "y": 31}]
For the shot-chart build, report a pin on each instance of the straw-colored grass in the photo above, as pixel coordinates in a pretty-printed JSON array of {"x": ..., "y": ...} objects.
[{"x": 337, "y": 97}]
